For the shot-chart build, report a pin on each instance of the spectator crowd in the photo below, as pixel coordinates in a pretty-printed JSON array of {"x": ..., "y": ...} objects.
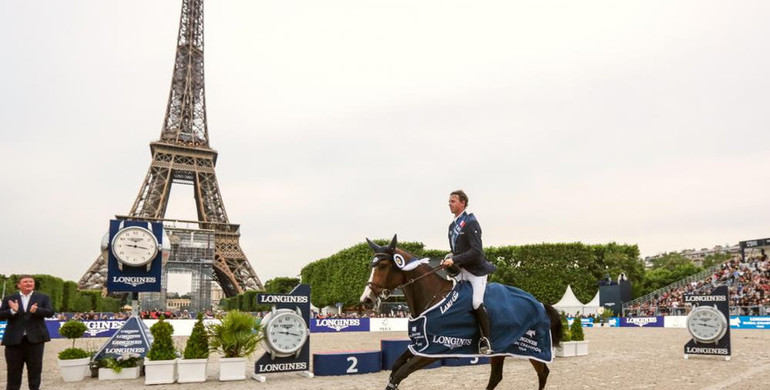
[{"x": 748, "y": 284}]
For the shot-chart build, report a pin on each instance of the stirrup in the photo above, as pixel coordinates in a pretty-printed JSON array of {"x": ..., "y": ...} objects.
[{"x": 485, "y": 348}]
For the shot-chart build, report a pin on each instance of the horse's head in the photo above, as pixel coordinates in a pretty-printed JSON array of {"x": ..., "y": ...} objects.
[{"x": 387, "y": 273}]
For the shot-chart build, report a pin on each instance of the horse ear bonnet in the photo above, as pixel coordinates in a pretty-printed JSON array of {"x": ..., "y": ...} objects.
[{"x": 379, "y": 250}]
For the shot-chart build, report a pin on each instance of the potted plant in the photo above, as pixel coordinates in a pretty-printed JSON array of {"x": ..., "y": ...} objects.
[
  {"x": 160, "y": 363},
  {"x": 235, "y": 338},
  {"x": 192, "y": 367},
  {"x": 122, "y": 367},
  {"x": 73, "y": 362},
  {"x": 576, "y": 335},
  {"x": 606, "y": 315},
  {"x": 567, "y": 347}
]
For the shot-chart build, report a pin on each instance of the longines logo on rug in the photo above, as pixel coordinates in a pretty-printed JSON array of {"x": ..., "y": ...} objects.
[
  {"x": 337, "y": 324},
  {"x": 451, "y": 342}
]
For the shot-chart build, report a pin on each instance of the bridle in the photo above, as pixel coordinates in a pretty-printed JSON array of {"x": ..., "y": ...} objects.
[{"x": 385, "y": 292}]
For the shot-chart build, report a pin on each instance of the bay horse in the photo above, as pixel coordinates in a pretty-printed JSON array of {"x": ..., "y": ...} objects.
[{"x": 423, "y": 288}]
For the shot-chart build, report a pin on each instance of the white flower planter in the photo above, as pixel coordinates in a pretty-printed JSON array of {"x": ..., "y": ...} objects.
[
  {"x": 581, "y": 348},
  {"x": 191, "y": 370},
  {"x": 74, "y": 370},
  {"x": 566, "y": 349},
  {"x": 107, "y": 374},
  {"x": 232, "y": 369},
  {"x": 159, "y": 371}
]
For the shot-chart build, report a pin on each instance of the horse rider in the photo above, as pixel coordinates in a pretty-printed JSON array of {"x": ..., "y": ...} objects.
[{"x": 468, "y": 255}]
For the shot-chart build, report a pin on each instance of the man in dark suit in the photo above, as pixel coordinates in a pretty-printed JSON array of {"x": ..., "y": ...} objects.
[
  {"x": 25, "y": 334},
  {"x": 467, "y": 253}
]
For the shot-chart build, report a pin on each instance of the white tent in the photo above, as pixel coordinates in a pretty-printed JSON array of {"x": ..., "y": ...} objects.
[
  {"x": 569, "y": 303},
  {"x": 592, "y": 307}
]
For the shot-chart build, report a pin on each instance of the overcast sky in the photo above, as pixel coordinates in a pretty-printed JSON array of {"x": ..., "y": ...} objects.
[{"x": 640, "y": 122}]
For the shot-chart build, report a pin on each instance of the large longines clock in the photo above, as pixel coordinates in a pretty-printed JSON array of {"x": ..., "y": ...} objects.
[
  {"x": 707, "y": 324},
  {"x": 285, "y": 332},
  {"x": 134, "y": 246}
]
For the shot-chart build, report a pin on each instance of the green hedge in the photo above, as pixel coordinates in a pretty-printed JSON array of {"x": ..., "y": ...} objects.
[
  {"x": 247, "y": 301},
  {"x": 342, "y": 276},
  {"x": 70, "y": 295},
  {"x": 64, "y": 295},
  {"x": 544, "y": 270}
]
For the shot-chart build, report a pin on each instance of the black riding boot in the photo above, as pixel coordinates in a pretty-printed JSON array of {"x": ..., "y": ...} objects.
[{"x": 485, "y": 346}]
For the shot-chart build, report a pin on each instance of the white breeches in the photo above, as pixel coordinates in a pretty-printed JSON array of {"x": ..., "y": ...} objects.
[{"x": 479, "y": 284}]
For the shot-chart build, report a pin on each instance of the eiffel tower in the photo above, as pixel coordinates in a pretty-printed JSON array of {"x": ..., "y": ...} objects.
[{"x": 183, "y": 155}]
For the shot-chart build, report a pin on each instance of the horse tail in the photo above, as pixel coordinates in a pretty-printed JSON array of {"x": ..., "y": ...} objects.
[{"x": 555, "y": 324}]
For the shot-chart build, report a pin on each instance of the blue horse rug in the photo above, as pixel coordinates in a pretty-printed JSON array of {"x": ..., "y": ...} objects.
[{"x": 519, "y": 325}]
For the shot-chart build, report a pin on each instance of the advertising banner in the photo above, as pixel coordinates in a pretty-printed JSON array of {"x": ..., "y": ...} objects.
[
  {"x": 642, "y": 322},
  {"x": 388, "y": 324},
  {"x": 95, "y": 328},
  {"x": 745, "y": 322},
  {"x": 318, "y": 325}
]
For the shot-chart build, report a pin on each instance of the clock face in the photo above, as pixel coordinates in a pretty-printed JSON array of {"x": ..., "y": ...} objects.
[
  {"x": 285, "y": 332},
  {"x": 706, "y": 324},
  {"x": 134, "y": 246}
]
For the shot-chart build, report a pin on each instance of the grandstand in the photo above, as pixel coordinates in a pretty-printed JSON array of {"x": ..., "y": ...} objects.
[{"x": 747, "y": 278}]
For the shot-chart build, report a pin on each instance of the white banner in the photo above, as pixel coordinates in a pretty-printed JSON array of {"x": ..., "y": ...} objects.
[{"x": 388, "y": 324}]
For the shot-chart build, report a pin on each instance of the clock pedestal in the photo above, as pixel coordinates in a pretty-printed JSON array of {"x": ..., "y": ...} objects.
[
  {"x": 286, "y": 334},
  {"x": 709, "y": 324},
  {"x": 263, "y": 379}
]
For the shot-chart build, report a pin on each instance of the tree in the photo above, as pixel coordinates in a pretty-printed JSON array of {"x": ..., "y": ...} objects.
[
  {"x": 614, "y": 259},
  {"x": 545, "y": 270},
  {"x": 717, "y": 258},
  {"x": 662, "y": 277},
  {"x": 670, "y": 261},
  {"x": 281, "y": 285}
]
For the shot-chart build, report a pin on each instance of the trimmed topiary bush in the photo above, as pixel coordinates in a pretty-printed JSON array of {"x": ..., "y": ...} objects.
[
  {"x": 197, "y": 346},
  {"x": 73, "y": 330},
  {"x": 162, "y": 344},
  {"x": 564, "y": 327},
  {"x": 576, "y": 329}
]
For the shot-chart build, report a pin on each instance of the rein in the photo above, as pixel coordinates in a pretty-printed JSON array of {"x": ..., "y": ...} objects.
[
  {"x": 411, "y": 281},
  {"x": 384, "y": 293},
  {"x": 431, "y": 272}
]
